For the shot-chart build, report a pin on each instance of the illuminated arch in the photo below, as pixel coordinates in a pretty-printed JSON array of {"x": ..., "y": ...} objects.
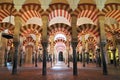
[
  {"x": 34, "y": 20},
  {"x": 60, "y": 36},
  {"x": 59, "y": 16},
  {"x": 60, "y": 46},
  {"x": 9, "y": 19},
  {"x": 59, "y": 20},
  {"x": 84, "y": 20}
]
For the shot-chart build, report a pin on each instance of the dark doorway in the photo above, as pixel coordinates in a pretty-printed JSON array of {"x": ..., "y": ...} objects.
[{"x": 60, "y": 56}]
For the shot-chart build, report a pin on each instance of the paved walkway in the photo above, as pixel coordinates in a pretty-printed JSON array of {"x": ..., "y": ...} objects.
[{"x": 90, "y": 72}]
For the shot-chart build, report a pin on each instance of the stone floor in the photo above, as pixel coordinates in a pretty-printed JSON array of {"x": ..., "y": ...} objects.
[{"x": 90, "y": 72}]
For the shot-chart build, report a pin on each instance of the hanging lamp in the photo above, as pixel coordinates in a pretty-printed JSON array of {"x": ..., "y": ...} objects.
[{"x": 6, "y": 34}]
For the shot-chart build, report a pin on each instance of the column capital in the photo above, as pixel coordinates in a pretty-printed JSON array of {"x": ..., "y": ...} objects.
[
  {"x": 16, "y": 43},
  {"x": 44, "y": 44},
  {"x": 103, "y": 43},
  {"x": 74, "y": 44}
]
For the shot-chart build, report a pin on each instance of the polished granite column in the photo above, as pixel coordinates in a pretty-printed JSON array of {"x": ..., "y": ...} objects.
[
  {"x": 16, "y": 42},
  {"x": 44, "y": 43},
  {"x": 103, "y": 43},
  {"x": 74, "y": 43}
]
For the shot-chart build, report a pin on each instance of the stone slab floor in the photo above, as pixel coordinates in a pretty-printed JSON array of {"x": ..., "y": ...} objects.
[{"x": 35, "y": 73}]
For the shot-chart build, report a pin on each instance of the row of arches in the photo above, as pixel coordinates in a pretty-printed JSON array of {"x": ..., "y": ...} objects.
[{"x": 58, "y": 25}]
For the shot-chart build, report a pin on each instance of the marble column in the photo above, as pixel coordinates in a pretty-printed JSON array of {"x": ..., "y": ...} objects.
[
  {"x": 114, "y": 49},
  {"x": 68, "y": 50},
  {"x": 83, "y": 48},
  {"x": 15, "y": 57},
  {"x": 44, "y": 71},
  {"x": 103, "y": 43},
  {"x": 44, "y": 43},
  {"x": 74, "y": 43},
  {"x": 16, "y": 42},
  {"x": 2, "y": 51},
  {"x": 29, "y": 52},
  {"x": 52, "y": 49},
  {"x": 119, "y": 52}
]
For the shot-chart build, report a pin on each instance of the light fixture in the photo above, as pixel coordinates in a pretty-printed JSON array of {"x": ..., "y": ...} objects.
[{"x": 5, "y": 33}]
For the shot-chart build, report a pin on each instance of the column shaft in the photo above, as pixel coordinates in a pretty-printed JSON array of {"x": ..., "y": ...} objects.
[
  {"x": 102, "y": 44},
  {"x": 16, "y": 42},
  {"x": 44, "y": 71},
  {"x": 44, "y": 43},
  {"x": 2, "y": 51},
  {"x": 74, "y": 44}
]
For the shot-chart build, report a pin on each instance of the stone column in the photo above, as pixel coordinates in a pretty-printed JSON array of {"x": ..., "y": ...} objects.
[
  {"x": 118, "y": 53},
  {"x": 68, "y": 50},
  {"x": 2, "y": 51},
  {"x": 83, "y": 49},
  {"x": 74, "y": 43},
  {"x": 52, "y": 49},
  {"x": 44, "y": 71},
  {"x": 36, "y": 54},
  {"x": 103, "y": 43},
  {"x": 114, "y": 49},
  {"x": 29, "y": 52},
  {"x": 16, "y": 42},
  {"x": 44, "y": 42}
]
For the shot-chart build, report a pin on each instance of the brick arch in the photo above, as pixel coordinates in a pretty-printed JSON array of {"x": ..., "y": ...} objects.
[
  {"x": 6, "y": 25},
  {"x": 113, "y": 29},
  {"x": 91, "y": 43},
  {"x": 58, "y": 45},
  {"x": 89, "y": 11},
  {"x": 7, "y": 9},
  {"x": 89, "y": 29},
  {"x": 63, "y": 28},
  {"x": 30, "y": 29},
  {"x": 59, "y": 40},
  {"x": 61, "y": 14},
  {"x": 10, "y": 42},
  {"x": 111, "y": 10},
  {"x": 28, "y": 41},
  {"x": 30, "y": 10}
]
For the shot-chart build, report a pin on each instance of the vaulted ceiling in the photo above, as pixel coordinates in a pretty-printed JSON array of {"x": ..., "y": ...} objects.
[{"x": 72, "y": 3}]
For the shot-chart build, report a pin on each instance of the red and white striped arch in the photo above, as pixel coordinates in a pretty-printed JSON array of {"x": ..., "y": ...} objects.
[
  {"x": 31, "y": 17},
  {"x": 115, "y": 14},
  {"x": 59, "y": 16},
  {"x": 87, "y": 16},
  {"x": 111, "y": 28},
  {"x": 30, "y": 29},
  {"x": 89, "y": 29},
  {"x": 7, "y": 10},
  {"x": 59, "y": 28},
  {"x": 60, "y": 46},
  {"x": 3, "y": 14},
  {"x": 29, "y": 41},
  {"x": 5, "y": 25},
  {"x": 31, "y": 14},
  {"x": 112, "y": 10}
]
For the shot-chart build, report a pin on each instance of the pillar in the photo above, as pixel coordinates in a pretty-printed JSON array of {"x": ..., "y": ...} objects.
[
  {"x": 114, "y": 49},
  {"x": 2, "y": 51},
  {"x": 36, "y": 54},
  {"x": 44, "y": 43},
  {"x": 103, "y": 43},
  {"x": 16, "y": 42},
  {"x": 118, "y": 53},
  {"x": 29, "y": 52},
  {"x": 68, "y": 50},
  {"x": 74, "y": 43},
  {"x": 83, "y": 48},
  {"x": 52, "y": 49}
]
